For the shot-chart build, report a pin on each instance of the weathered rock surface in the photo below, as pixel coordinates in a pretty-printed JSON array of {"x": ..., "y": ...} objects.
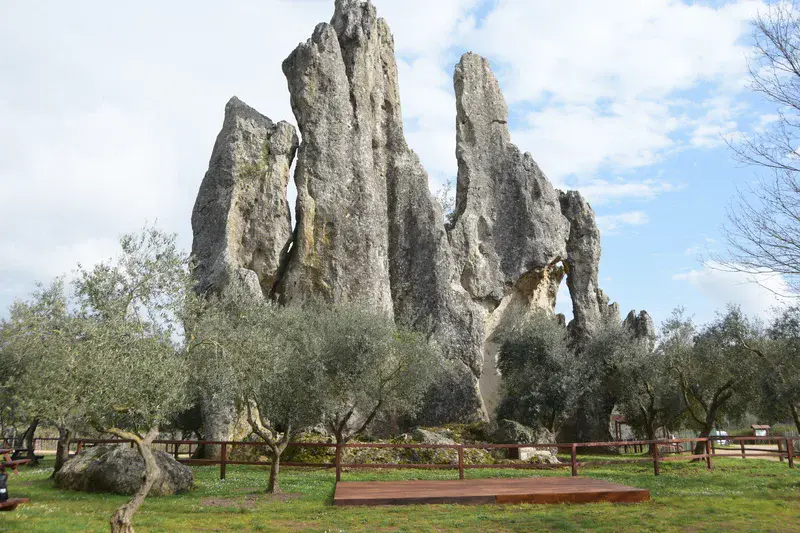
[
  {"x": 512, "y": 432},
  {"x": 367, "y": 228},
  {"x": 642, "y": 326},
  {"x": 427, "y": 436},
  {"x": 590, "y": 306},
  {"x": 362, "y": 193},
  {"x": 120, "y": 470},
  {"x": 241, "y": 221},
  {"x": 339, "y": 95},
  {"x": 509, "y": 235},
  {"x": 508, "y": 220}
]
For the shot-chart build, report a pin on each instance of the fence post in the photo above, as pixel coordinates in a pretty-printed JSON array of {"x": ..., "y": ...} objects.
[
  {"x": 79, "y": 448},
  {"x": 460, "y": 461},
  {"x": 656, "y": 466},
  {"x": 741, "y": 443},
  {"x": 175, "y": 452},
  {"x": 790, "y": 451},
  {"x": 574, "y": 459},
  {"x": 338, "y": 463},
  {"x": 780, "y": 449},
  {"x": 223, "y": 460},
  {"x": 709, "y": 465}
]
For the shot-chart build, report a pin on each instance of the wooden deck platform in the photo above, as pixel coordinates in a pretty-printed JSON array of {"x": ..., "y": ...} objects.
[{"x": 484, "y": 491}]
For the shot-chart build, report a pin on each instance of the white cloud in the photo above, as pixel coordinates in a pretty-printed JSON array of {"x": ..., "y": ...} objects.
[
  {"x": 109, "y": 111},
  {"x": 600, "y": 192},
  {"x": 758, "y": 294},
  {"x": 693, "y": 250},
  {"x": 609, "y": 224},
  {"x": 608, "y": 79},
  {"x": 580, "y": 139},
  {"x": 583, "y": 50}
]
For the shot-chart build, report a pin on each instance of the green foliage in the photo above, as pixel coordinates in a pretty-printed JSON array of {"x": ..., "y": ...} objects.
[
  {"x": 108, "y": 359},
  {"x": 779, "y": 363},
  {"x": 542, "y": 377},
  {"x": 646, "y": 390},
  {"x": 716, "y": 373},
  {"x": 368, "y": 366},
  {"x": 739, "y": 496}
]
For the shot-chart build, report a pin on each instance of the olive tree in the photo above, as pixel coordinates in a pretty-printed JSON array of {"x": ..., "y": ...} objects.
[
  {"x": 778, "y": 357},
  {"x": 715, "y": 371},
  {"x": 42, "y": 337},
  {"x": 368, "y": 366},
  {"x": 261, "y": 356},
  {"x": 132, "y": 367},
  {"x": 542, "y": 379},
  {"x": 112, "y": 358},
  {"x": 647, "y": 392}
]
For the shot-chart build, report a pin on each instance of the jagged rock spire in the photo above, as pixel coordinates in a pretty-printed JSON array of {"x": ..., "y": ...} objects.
[
  {"x": 336, "y": 79},
  {"x": 241, "y": 220},
  {"x": 367, "y": 228}
]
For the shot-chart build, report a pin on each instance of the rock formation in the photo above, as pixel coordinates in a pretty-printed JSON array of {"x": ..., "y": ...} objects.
[
  {"x": 367, "y": 228},
  {"x": 642, "y": 326},
  {"x": 119, "y": 470},
  {"x": 241, "y": 220},
  {"x": 344, "y": 102}
]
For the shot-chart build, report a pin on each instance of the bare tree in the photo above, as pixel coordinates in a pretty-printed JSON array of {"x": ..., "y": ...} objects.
[{"x": 762, "y": 232}]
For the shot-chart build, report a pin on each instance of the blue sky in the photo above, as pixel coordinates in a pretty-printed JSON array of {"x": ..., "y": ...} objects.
[{"x": 109, "y": 114}]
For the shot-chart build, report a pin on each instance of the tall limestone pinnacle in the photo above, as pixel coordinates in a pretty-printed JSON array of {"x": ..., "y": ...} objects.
[
  {"x": 343, "y": 98},
  {"x": 367, "y": 228},
  {"x": 241, "y": 220}
]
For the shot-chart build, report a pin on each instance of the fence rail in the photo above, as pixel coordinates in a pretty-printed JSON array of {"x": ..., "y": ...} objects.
[{"x": 659, "y": 450}]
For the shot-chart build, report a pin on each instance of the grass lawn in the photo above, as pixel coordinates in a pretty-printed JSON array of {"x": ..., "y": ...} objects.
[{"x": 738, "y": 496}]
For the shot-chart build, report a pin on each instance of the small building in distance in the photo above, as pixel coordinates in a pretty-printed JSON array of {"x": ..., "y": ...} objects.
[{"x": 760, "y": 430}]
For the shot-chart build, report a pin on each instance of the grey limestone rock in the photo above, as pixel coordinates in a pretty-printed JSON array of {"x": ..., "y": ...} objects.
[
  {"x": 642, "y": 326},
  {"x": 508, "y": 219},
  {"x": 589, "y": 304},
  {"x": 339, "y": 96},
  {"x": 368, "y": 228},
  {"x": 512, "y": 432},
  {"x": 120, "y": 470},
  {"x": 508, "y": 235},
  {"x": 241, "y": 220}
]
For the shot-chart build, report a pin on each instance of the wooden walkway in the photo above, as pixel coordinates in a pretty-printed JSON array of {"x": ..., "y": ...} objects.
[{"x": 485, "y": 491}]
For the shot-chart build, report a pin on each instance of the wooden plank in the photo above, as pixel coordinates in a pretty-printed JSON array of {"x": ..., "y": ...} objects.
[
  {"x": 11, "y": 503},
  {"x": 485, "y": 491}
]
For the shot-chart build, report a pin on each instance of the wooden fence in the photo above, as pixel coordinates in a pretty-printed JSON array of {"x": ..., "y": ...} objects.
[{"x": 659, "y": 451}]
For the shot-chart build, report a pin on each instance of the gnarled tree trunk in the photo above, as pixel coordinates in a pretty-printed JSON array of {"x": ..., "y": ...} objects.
[
  {"x": 274, "y": 487},
  {"x": 65, "y": 436},
  {"x": 122, "y": 521},
  {"x": 29, "y": 442}
]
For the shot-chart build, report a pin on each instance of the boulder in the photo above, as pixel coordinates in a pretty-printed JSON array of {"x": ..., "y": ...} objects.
[
  {"x": 537, "y": 455},
  {"x": 512, "y": 432},
  {"x": 426, "y": 436},
  {"x": 120, "y": 470}
]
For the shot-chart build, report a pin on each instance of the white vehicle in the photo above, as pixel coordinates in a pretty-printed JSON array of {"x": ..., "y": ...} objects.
[{"x": 718, "y": 433}]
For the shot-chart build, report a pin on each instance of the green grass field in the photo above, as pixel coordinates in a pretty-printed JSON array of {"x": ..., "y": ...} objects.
[{"x": 738, "y": 496}]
